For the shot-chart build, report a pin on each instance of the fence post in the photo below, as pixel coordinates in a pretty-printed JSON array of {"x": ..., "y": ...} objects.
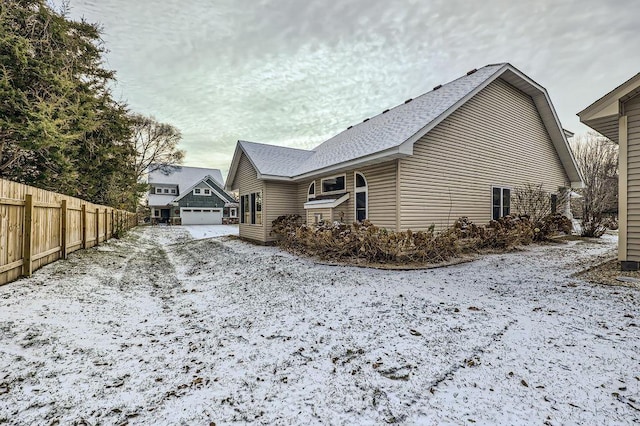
[
  {"x": 97, "y": 225},
  {"x": 113, "y": 222},
  {"x": 63, "y": 235},
  {"x": 27, "y": 264},
  {"x": 106, "y": 225},
  {"x": 84, "y": 226}
]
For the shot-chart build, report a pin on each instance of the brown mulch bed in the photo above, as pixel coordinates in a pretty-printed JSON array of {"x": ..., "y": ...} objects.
[{"x": 608, "y": 273}]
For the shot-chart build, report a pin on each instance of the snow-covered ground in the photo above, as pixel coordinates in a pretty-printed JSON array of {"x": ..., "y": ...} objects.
[
  {"x": 160, "y": 328},
  {"x": 199, "y": 232}
]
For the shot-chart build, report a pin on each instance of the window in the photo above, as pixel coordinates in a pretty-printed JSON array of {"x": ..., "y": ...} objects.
[
  {"x": 173, "y": 190},
  {"x": 501, "y": 202},
  {"x": 207, "y": 191},
  {"x": 251, "y": 208},
  {"x": 158, "y": 190},
  {"x": 197, "y": 191},
  {"x": 362, "y": 195},
  {"x": 156, "y": 213},
  {"x": 317, "y": 218},
  {"x": 233, "y": 212},
  {"x": 244, "y": 209},
  {"x": 311, "y": 193},
  {"x": 166, "y": 190},
  {"x": 333, "y": 184}
]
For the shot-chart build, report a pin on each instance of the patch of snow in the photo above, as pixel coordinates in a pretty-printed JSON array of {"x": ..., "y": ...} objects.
[
  {"x": 171, "y": 329},
  {"x": 199, "y": 232}
]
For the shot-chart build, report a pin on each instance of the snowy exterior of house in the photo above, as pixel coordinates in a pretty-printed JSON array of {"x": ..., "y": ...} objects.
[
  {"x": 190, "y": 196},
  {"x": 617, "y": 116},
  {"x": 458, "y": 150}
]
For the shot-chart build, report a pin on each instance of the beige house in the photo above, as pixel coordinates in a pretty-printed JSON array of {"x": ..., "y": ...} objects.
[
  {"x": 458, "y": 150},
  {"x": 617, "y": 116}
]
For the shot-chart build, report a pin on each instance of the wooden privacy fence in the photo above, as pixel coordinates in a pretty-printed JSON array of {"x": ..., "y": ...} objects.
[{"x": 38, "y": 227}]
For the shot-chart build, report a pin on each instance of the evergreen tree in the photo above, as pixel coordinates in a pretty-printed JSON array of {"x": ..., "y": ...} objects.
[{"x": 60, "y": 128}]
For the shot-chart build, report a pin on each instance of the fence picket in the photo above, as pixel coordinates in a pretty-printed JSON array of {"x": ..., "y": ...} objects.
[{"x": 38, "y": 227}]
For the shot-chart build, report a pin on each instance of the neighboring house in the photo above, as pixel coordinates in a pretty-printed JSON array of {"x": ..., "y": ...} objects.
[
  {"x": 458, "y": 150},
  {"x": 190, "y": 196},
  {"x": 617, "y": 116}
]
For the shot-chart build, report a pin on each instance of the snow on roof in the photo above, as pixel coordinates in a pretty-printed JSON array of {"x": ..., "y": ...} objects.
[
  {"x": 275, "y": 160},
  {"x": 384, "y": 131},
  {"x": 390, "y": 129},
  {"x": 182, "y": 176}
]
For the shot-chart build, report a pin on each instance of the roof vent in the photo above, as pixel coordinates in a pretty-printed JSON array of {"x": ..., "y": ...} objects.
[
  {"x": 437, "y": 87},
  {"x": 472, "y": 71},
  {"x": 365, "y": 120},
  {"x": 408, "y": 100},
  {"x": 349, "y": 127},
  {"x": 385, "y": 111}
]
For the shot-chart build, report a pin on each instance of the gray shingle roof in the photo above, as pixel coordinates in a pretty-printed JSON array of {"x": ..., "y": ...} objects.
[
  {"x": 380, "y": 133},
  {"x": 392, "y": 128},
  {"x": 275, "y": 160}
]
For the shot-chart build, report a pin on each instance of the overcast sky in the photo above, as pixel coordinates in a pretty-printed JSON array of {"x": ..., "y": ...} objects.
[{"x": 296, "y": 72}]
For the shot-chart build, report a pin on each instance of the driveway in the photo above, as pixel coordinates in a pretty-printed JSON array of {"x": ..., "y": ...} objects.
[{"x": 162, "y": 328}]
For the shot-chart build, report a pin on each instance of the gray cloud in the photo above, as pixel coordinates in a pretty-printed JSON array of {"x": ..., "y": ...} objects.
[{"x": 296, "y": 72}]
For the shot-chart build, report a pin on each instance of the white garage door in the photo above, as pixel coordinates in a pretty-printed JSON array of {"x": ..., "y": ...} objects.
[{"x": 201, "y": 216}]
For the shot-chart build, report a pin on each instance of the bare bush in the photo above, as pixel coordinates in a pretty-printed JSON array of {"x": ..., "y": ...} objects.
[
  {"x": 536, "y": 203},
  {"x": 597, "y": 159},
  {"x": 364, "y": 242}
]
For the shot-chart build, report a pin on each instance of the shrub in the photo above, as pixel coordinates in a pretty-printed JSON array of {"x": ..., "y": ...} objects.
[{"x": 366, "y": 242}]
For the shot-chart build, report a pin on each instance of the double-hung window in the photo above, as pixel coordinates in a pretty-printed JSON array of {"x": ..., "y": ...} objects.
[{"x": 500, "y": 202}]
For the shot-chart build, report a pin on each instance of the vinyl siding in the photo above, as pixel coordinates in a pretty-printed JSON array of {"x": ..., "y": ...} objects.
[
  {"x": 248, "y": 182},
  {"x": 326, "y": 215},
  {"x": 496, "y": 138},
  {"x": 381, "y": 183},
  {"x": 279, "y": 199},
  {"x": 632, "y": 111}
]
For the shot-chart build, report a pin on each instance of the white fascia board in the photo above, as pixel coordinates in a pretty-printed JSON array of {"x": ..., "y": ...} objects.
[
  {"x": 609, "y": 104},
  {"x": 231, "y": 176},
  {"x": 388, "y": 154},
  {"x": 330, "y": 203}
]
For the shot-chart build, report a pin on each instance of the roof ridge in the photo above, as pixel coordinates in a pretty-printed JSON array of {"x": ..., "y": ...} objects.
[
  {"x": 275, "y": 146},
  {"x": 437, "y": 87}
]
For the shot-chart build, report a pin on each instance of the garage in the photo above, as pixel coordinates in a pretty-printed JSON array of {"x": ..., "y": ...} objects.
[{"x": 201, "y": 216}]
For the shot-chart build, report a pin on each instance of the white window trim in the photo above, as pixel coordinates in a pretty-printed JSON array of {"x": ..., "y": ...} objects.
[
  {"x": 233, "y": 212},
  {"x": 332, "y": 177},
  {"x": 202, "y": 192},
  {"x": 502, "y": 187},
  {"x": 158, "y": 190},
  {"x": 311, "y": 196},
  {"x": 364, "y": 189},
  {"x": 262, "y": 216}
]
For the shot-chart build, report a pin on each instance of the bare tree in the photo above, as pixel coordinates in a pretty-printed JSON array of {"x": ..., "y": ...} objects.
[
  {"x": 156, "y": 145},
  {"x": 597, "y": 159},
  {"x": 535, "y": 202}
]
